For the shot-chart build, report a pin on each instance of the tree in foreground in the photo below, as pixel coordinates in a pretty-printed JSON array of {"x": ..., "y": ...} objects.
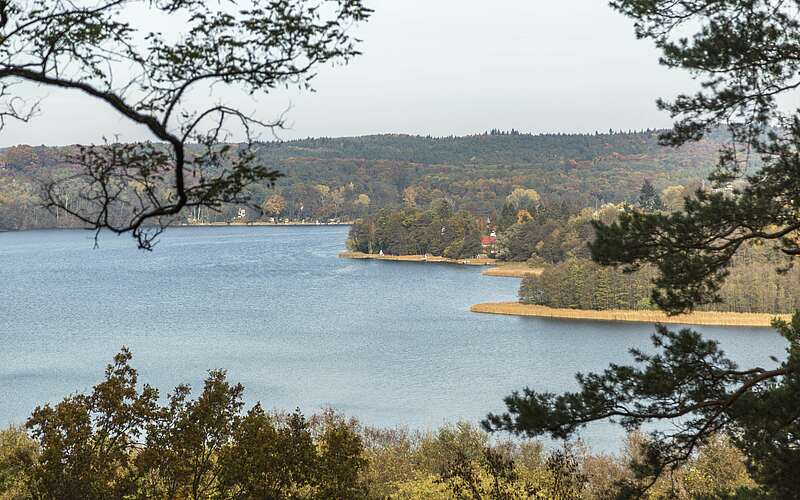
[
  {"x": 122, "y": 441},
  {"x": 746, "y": 54},
  {"x": 119, "y": 442},
  {"x": 152, "y": 79}
]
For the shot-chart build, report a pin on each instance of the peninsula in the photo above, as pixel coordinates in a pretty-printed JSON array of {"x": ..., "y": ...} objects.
[{"x": 714, "y": 318}]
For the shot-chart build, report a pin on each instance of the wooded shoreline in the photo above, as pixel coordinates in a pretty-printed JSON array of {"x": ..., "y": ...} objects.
[
  {"x": 519, "y": 270},
  {"x": 418, "y": 258},
  {"x": 709, "y": 318},
  {"x": 495, "y": 267}
]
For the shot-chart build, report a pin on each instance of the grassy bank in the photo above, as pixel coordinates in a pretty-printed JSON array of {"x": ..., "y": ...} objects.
[
  {"x": 417, "y": 258},
  {"x": 695, "y": 318}
]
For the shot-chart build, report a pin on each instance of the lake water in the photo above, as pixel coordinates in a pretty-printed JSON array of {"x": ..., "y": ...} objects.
[{"x": 391, "y": 343}]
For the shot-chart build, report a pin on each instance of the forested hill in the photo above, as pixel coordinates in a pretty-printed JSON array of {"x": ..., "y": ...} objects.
[
  {"x": 346, "y": 178},
  {"x": 509, "y": 148},
  {"x": 477, "y": 172}
]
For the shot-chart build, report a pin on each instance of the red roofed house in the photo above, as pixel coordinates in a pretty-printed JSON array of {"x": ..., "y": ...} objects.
[{"x": 488, "y": 244}]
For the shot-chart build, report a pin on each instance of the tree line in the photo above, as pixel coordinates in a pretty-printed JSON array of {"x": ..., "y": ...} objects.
[
  {"x": 437, "y": 231},
  {"x": 349, "y": 178},
  {"x": 752, "y": 286},
  {"x": 119, "y": 441},
  {"x": 528, "y": 227}
]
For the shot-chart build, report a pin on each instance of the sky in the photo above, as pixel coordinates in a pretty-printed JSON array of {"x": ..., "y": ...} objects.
[{"x": 443, "y": 67}]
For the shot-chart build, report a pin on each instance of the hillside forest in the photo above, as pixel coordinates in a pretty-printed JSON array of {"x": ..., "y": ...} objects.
[{"x": 343, "y": 179}]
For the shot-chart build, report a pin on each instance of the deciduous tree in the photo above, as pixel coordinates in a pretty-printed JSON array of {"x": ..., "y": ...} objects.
[
  {"x": 274, "y": 205},
  {"x": 147, "y": 78}
]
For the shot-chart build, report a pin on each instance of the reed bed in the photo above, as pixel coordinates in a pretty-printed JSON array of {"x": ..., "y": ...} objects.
[
  {"x": 694, "y": 318},
  {"x": 513, "y": 270}
]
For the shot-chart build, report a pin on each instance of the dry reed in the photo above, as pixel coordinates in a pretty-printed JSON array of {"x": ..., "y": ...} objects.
[{"x": 694, "y": 318}]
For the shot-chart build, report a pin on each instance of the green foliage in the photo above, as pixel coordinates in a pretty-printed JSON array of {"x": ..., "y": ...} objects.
[
  {"x": 648, "y": 199},
  {"x": 86, "y": 442},
  {"x": 507, "y": 217},
  {"x": 752, "y": 286},
  {"x": 737, "y": 50},
  {"x": 519, "y": 242},
  {"x": 268, "y": 458},
  {"x": 716, "y": 471},
  {"x": 207, "y": 448},
  {"x": 118, "y": 442},
  {"x": 185, "y": 438},
  {"x": 551, "y": 236},
  {"x": 411, "y": 231},
  {"x": 18, "y": 454},
  {"x": 591, "y": 287},
  {"x": 524, "y": 199},
  {"x": 459, "y": 461},
  {"x": 741, "y": 51},
  {"x": 690, "y": 378},
  {"x": 340, "y": 461},
  {"x": 492, "y": 476}
]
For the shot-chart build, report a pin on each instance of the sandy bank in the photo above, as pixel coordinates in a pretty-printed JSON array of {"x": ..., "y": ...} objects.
[
  {"x": 417, "y": 258},
  {"x": 498, "y": 268},
  {"x": 695, "y": 318}
]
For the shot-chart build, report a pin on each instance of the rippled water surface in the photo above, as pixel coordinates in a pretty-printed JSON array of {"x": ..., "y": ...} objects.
[{"x": 390, "y": 343}]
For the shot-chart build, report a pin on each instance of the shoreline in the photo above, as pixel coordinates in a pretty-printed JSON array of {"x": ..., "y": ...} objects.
[
  {"x": 520, "y": 269},
  {"x": 495, "y": 267},
  {"x": 417, "y": 258},
  {"x": 706, "y": 318},
  {"x": 186, "y": 224},
  {"x": 262, "y": 223},
  {"x": 512, "y": 270}
]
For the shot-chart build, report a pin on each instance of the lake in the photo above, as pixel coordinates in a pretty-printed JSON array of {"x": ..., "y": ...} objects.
[{"x": 391, "y": 343}]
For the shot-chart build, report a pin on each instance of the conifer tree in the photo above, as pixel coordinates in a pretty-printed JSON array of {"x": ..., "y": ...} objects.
[
  {"x": 648, "y": 197},
  {"x": 746, "y": 54}
]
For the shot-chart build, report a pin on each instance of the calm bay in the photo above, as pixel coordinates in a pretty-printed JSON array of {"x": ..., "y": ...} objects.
[{"x": 391, "y": 343}]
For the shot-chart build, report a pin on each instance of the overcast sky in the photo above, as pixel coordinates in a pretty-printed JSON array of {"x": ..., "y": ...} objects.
[{"x": 444, "y": 67}]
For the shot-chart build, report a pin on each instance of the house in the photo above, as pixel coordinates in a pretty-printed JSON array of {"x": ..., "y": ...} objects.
[{"x": 488, "y": 246}]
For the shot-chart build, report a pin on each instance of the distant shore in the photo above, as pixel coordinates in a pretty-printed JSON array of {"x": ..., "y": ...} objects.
[
  {"x": 710, "y": 318},
  {"x": 263, "y": 223},
  {"x": 202, "y": 224},
  {"x": 417, "y": 258}
]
